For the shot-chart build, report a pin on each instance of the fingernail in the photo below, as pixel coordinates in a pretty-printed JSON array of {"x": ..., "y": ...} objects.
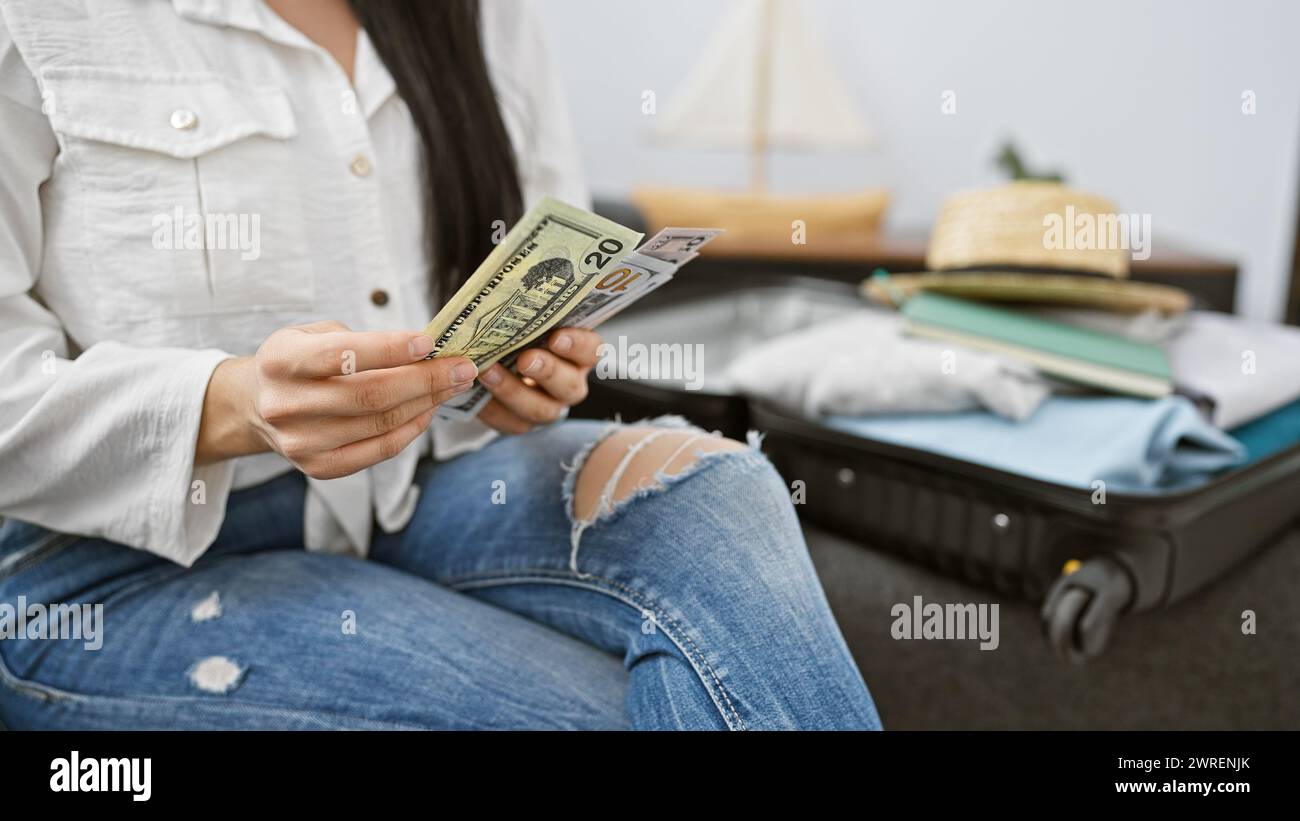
[
  {"x": 534, "y": 366},
  {"x": 562, "y": 343},
  {"x": 421, "y": 346},
  {"x": 464, "y": 372},
  {"x": 492, "y": 376}
]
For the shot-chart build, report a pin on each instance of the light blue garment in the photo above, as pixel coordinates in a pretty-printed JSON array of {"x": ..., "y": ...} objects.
[
  {"x": 1133, "y": 445},
  {"x": 695, "y": 607}
]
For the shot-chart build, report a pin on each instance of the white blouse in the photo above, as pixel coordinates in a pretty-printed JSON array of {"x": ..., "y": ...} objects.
[{"x": 130, "y": 130}]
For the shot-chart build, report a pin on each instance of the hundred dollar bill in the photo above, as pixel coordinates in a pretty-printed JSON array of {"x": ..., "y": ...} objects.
[{"x": 548, "y": 262}]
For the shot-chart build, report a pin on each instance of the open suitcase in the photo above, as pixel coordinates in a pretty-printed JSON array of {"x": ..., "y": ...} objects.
[{"x": 1087, "y": 563}]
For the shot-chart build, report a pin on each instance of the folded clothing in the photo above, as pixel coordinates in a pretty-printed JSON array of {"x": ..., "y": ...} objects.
[
  {"x": 1271, "y": 433},
  {"x": 1237, "y": 369},
  {"x": 1133, "y": 445},
  {"x": 862, "y": 363}
]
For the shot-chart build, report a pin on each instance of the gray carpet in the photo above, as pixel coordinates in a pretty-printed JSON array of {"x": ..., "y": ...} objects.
[{"x": 1186, "y": 667}]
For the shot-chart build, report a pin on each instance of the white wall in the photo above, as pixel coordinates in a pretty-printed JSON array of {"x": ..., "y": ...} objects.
[{"x": 1138, "y": 100}]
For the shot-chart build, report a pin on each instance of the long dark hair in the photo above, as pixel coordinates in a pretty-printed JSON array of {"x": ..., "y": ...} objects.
[{"x": 433, "y": 52}]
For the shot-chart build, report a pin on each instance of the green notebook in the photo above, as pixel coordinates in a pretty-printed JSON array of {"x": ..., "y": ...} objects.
[{"x": 1080, "y": 355}]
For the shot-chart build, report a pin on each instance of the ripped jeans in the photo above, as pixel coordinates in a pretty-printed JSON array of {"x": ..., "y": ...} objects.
[{"x": 692, "y": 604}]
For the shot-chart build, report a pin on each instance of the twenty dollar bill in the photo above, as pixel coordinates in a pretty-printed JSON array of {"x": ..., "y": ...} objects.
[{"x": 548, "y": 262}]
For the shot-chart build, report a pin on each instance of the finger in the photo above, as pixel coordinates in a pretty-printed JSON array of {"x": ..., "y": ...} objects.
[
  {"x": 327, "y": 434},
  {"x": 560, "y": 378},
  {"x": 373, "y": 392},
  {"x": 348, "y": 459},
  {"x": 578, "y": 345},
  {"x": 325, "y": 352},
  {"x": 528, "y": 403},
  {"x": 498, "y": 417}
]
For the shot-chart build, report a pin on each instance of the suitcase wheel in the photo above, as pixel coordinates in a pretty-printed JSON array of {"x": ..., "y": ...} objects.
[{"x": 1083, "y": 605}]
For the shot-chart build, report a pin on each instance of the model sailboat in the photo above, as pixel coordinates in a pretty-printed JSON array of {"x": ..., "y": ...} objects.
[{"x": 763, "y": 84}]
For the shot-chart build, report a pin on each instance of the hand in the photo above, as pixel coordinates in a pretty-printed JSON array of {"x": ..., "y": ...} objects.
[
  {"x": 549, "y": 381},
  {"x": 330, "y": 400}
]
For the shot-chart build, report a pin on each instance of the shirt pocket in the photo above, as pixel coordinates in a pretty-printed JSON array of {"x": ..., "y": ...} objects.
[{"x": 189, "y": 192}]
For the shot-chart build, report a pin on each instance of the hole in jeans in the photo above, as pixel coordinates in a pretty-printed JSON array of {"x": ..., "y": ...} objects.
[
  {"x": 627, "y": 462},
  {"x": 217, "y": 674},
  {"x": 207, "y": 609}
]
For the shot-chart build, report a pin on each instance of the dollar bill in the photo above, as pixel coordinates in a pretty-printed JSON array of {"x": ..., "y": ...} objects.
[
  {"x": 625, "y": 284},
  {"x": 678, "y": 245},
  {"x": 547, "y": 263},
  {"x": 636, "y": 274},
  {"x": 622, "y": 286}
]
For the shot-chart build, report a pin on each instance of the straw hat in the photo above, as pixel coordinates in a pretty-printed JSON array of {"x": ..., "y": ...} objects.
[
  {"x": 1007, "y": 227},
  {"x": 998, "y": 245}
]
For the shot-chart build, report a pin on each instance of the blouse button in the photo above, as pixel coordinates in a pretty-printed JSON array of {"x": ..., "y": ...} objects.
[
  {"x": 360, "y": 166},
  {"x": 379, "y": 296},
  {"x": 183, "y": 119}
]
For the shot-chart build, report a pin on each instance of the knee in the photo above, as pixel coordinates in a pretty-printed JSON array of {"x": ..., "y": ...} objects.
[
  {"x": 631, "y": 459},
  {"x": 743, "y": 504}
]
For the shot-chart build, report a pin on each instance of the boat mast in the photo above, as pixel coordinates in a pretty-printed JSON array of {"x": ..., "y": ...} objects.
[{"x": 762, "y": 101}]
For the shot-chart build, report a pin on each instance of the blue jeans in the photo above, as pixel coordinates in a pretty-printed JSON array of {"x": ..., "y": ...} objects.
[{"x": 692, "y": 606}]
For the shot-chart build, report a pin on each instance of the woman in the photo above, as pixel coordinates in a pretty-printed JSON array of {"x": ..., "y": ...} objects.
[{"x": 204, "y": 204}]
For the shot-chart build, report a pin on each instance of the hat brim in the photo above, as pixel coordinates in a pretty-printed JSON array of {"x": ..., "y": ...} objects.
[{"x": 1054, "y": 287}]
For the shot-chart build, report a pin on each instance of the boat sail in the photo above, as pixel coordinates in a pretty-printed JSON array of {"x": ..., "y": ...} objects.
[{"x": 763, "y": 83}]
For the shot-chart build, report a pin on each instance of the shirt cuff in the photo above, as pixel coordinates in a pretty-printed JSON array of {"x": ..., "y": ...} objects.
[
  {"x": 188, "y": 502},
  {"x": 452, "y": 437}
]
